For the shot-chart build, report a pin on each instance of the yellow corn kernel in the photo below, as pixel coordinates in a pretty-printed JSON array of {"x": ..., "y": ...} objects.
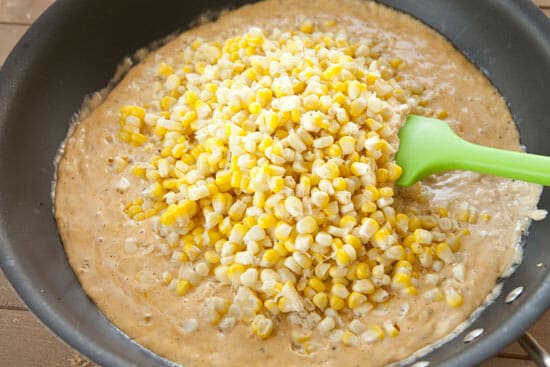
[
  {"x": 272, "y": 122},
  {"x": 261, "y": 326},
  {"x": 212, "y": 257},
  {"x": 356, "y": 299},
  {"x": 328, "y": 170},
  {"x": 167, "y": 102},
  {"x": 334, "y": 151},
  {"x": 362, "y": 271},
  {"x": 342, "y": 257},
  {"x": 369, "y": 207},
  {"x": 276, "y": 184},
  {"x": 386, "y": 192},
  {"x": 266, "y": 220},
  {"x": 255, "y": 108},
  {"x": 337, "y": 243},
  {"x": 416, "y": 248},
  {"x": 165, "y": 70},
  {"x": 320, "y": 198},
  {"x": 190, "y": 98},
  {"x": 282, "y": 231},
  {"x": 434, "y": 295},
  {"x": 306, "y": 225},
  {"x": 336, "y": 303},
  {"x": 139, "y": 171},
  {"x": 340, "y": 184},
  {"x": 411, "y": 291},
  {"x": 396, "y": 252},
  {"x": 371, "y": 78},
  {"x": 332, "y": 71},
  {"x": 223, "y": 179},
  {"x": 271, "y": 305},
  {"x": 444, "y": 252},
  {"x": 320, "y": 300},
  {"x": 414, "y": 222},
  {"x": 307, "y": 27},
  {"x": 403, "y": 266},
  {"x": 423, "y": 236},
  {"x": 251, "y": 74},
  {"x": 401, "y": 281},
  {"x": 395, "y": 62},
  {"x": 167, "y": 277},
  {"x": 442, "y": 211},
  {"x": 373, "y": 334},
  {"x": 452, "y": 297},
  {"x": 270, "y": 258},
  {"x": 196, "y": 44},
  {"x": 235, "y": 271},
  {"x": 347, "y": 221},
  {"x": 311, "y": 102},
  {"x": 150, "y": 212},
  {"x": 317, "y": 284},
  {"x": 168, "y": 218},
  {"x": 182, "y": 287},
  {"x": 137, "y": 139},
  {"x": 249, "y": 222},
  {"x": 134, "y": 209},
  {"x": 309, "y": 292},
  {"x": 285, "y": 305},
  {"x": 357, "y": 107},
  {"x": 441, "y": 114},
  {"x": 382, "y": 175},
  {"x": 391, "y": 328},
  {"x": 349, "y": 338},
  {"x": 264, "y": 96},
  {"x": 347, "y": 143}
]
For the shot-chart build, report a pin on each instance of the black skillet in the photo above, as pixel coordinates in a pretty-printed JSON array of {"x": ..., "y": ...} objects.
[{"x": 73, "y": 50}]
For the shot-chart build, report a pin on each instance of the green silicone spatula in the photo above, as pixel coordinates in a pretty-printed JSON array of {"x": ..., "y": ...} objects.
[{"x": 429, "y": 146}]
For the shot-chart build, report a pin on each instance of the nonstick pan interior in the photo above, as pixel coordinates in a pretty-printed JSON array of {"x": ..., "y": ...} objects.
[{"x": 73, "y": 50}]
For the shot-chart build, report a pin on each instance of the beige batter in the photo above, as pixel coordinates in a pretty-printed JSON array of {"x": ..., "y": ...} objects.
[{"x": 129, "y": 288}]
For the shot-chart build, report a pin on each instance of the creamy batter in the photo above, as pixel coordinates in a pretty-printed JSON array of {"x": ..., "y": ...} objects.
[{"x": 129, "y": 288}]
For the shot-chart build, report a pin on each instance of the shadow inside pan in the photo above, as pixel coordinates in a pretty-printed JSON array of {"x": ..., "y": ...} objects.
[{"x": 73, "y": 50}]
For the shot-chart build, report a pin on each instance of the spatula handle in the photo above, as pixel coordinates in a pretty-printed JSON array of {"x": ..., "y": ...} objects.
[{"x": 516, "y": 165}]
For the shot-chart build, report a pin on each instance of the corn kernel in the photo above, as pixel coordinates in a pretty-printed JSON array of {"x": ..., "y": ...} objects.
[
  {"x": 212, "y": 257},
  {"x": 391, "y": 328},
  {"x": 356, "y": 299},
  {"x": 452, "y": 297},
  {"x": 336, "y": 303},
  {"x": 320, "y": 300},
  {"x": 342, "y": 257},
  {"x": 182, "y": 287},
  {"x": 255, "y": 108},
  {"x": 261, "y": 326},
  {"x": 307, "y": 27},
  {"x": 373, "y": 334}
]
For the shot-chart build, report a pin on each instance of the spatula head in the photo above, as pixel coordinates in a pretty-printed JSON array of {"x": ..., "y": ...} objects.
[{"x": 422, "y": 142}]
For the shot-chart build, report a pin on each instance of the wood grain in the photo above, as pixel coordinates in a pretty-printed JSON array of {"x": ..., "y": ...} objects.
[
  {"x": 21, "y": 11},
  {"x": 8, "y": 298},
  {"x": 9, "y": 35},
  {"x": 24, "y": 341}
]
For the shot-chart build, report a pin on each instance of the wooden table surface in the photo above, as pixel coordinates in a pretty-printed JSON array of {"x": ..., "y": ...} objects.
[{"x": 25, "y": 342}]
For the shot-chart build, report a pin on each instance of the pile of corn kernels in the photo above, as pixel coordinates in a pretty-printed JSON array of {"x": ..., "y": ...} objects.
[{"x": 276, "y": 177}]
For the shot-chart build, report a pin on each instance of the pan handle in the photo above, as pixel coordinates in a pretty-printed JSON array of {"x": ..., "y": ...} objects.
[{"x": 537, "y": 353}]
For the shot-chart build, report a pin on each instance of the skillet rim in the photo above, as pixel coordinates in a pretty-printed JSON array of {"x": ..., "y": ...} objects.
[{"x": 11, "y": 73}]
